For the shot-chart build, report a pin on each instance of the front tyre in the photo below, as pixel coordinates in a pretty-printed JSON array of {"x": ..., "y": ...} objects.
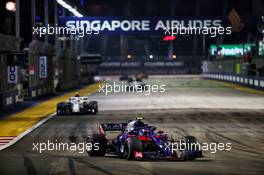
[
  {"x": 191, "y": 152},
  {"x": 130, "y": 146}
]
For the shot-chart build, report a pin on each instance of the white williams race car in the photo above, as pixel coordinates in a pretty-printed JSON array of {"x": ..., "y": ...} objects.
[{"x": 79, "y": 105}]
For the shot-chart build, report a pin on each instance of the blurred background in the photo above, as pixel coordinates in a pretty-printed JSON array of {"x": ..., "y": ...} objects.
[{"x": 33, "y": 67}]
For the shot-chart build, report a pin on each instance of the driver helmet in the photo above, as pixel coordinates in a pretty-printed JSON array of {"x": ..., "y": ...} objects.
[{"x": 77, "y": 94}]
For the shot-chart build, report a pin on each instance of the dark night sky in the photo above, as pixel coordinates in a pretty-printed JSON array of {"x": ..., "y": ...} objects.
[{"x": 143, "y": 8}]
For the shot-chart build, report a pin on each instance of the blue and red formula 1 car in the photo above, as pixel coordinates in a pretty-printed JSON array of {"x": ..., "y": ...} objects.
[{"x": 138, "y": 140}]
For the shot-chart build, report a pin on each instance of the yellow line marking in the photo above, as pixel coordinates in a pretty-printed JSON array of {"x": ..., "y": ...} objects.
[
  {"x": 20, "y": 122},
  {"x": 239, "y": 87}
]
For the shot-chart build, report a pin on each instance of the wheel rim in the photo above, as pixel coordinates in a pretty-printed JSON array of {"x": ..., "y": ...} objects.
[{"x": 125, "y": 153}]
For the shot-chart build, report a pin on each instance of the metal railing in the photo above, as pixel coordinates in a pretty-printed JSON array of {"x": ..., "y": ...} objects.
[{"x": 250, "y": 81}]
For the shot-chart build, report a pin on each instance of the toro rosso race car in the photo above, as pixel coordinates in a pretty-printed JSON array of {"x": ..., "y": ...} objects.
[
  {"x": 77, "y": 104},
  {"x": 138, "y": 140}
]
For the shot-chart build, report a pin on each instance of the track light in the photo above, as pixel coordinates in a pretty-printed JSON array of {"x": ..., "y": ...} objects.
[{"x": 70, "y": 8}]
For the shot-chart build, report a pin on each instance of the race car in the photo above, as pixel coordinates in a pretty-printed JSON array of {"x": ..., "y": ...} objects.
[
  {"x": 77, "y": 104},
  {"x": 135, "y": 86},
  {"x": 140, "y": 76},
  {"x": 138, "y": 140},
  {"x": 125, "y": 77}
]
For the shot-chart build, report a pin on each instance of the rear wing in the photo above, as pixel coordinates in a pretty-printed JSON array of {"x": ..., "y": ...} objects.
[{"x": 112, "y": 127}]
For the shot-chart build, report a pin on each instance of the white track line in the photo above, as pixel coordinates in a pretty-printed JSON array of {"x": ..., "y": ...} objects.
[{"x": 20, "y": 136}]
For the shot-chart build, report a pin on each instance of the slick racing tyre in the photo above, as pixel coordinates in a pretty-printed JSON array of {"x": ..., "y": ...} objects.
[
  {"x": 93, "y": 111},
  {"x": 93, "y": 107},
  {"x": 61, "y": 108},
  {"x": 189, "y": 153},
  {"x": 130, "y": 146},
  {"x": 98, "y": 145},
  {"x": 59, "y": 112}
]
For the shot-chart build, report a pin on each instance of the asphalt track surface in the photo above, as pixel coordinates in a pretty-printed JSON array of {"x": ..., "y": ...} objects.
[{"x": 221, "y": 115}]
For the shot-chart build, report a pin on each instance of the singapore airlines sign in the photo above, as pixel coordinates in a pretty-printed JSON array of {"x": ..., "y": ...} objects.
[{"x": 123, "y": 25}]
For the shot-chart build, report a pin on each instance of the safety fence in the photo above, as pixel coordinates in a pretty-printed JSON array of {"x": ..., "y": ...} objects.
[{"x": 250, "y": 81}]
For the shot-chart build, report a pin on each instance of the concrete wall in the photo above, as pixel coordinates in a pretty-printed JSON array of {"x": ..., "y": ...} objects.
[
  {"x": 233, "y": 65},
  {"x": 69, "y": 70},
  {"x": 38, "y": 86},
  {"x": 236, "y": 71},
  {"x": 87, "y": 73},
  {"x": 8, "y": 91}
]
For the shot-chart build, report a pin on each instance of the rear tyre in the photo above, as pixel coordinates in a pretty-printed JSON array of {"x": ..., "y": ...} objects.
[
  {"x": 60, "y": 108},
  {"x": 93, "y": 111},
  {"x": 99, "y": 143},
  {"x": 130, "y": 146}
]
